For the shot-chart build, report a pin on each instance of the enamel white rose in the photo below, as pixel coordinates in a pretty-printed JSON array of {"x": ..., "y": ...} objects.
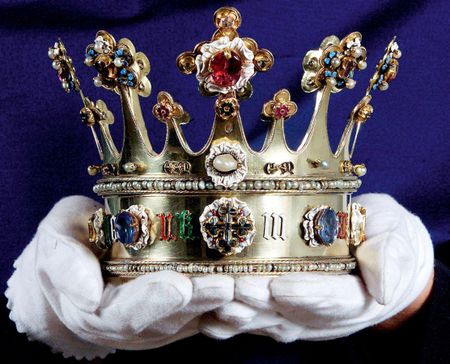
[{"x": 225, "y": 65}]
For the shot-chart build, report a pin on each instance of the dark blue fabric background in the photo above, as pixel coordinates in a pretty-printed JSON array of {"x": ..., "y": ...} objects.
[{"x": 45, "y": 149}]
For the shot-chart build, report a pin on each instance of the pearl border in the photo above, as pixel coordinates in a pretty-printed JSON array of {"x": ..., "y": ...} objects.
[
  {"x": 187, "y": 186},
  {"x": 132, "y": 268}
]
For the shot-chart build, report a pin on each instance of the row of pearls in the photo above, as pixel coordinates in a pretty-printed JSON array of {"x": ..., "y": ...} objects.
[
  {"x": 136, "y": 268},
  {"x": 195, "y": 185}
]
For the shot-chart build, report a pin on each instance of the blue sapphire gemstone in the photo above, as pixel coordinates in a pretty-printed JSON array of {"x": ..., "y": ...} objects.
[
  {"x": 130, "y": 83},
  {"x": 123, "y": 72},
  {"x": 334, "y": 74},
  {"x": 327, "y": 73},
  {"x": 91, "y": 52},
  {"x": 327, "y": 224},
  {"x": 332, "y": 54},
  {"x": 130, "y": 76},
  {"x": 119, "y": 52},
  {"x": 126, "y": 226},
  {"x": 383, "y": 67},
  {"x": 327, "y": 60}
]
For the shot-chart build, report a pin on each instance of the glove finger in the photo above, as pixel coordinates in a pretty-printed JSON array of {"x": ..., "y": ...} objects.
[
  {"x": 236, "y": 314},
  {"x": 127, "y": 309},
  {"x": 69, "y": 217},
  {"x": 34, "y": 316},
  {"x": 255, "y": 292},
  {"x": 209, "y": 293},
  {"x": 70, "y": 269},
  {"x": 383, "y": 213},
  {"x": 383, "y": 262},
  {"x": 317, "y": 299},
  {"x": 212, "y": 326}
]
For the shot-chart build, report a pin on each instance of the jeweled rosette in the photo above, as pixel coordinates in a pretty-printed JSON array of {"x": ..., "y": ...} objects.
[
  {"x": 226, "y": 164},
  {"x": 224, "y": 65},
  {"x": 227, "y": 225}
]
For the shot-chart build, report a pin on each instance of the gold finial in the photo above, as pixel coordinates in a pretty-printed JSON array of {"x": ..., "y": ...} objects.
[
  {"x": 166, "y": 109},
  {"x": 118, "y": 63},
  {"x": 386, "y": 71},
  {"x": 334, "y": 63},
  {"x": 280, "y": 107}
]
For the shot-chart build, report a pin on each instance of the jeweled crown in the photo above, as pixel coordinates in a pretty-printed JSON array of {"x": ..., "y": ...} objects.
[{"x": 226, "y": 208}]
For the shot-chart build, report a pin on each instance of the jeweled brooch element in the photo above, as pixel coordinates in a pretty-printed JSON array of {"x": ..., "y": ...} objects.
[
  {"x": 62, "y": 63},
  {"x": 357, "y": 223},
  {"x": 134, "y": 228},
  {"x": 118, "y": 63},
  {"x": 226, "y": 164},
  {"x": 96, "y": 226},
  {"x": 228, "y": 62},
  {"x": 334, "y": 63},
  {"x": 227, "y": 225},
  {"x": 321, "y": 226}
]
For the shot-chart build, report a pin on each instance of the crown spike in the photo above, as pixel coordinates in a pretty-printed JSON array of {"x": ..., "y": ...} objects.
[
  {"x": 124, "y": 71},
  {"x": 173, "y": 116},
  {"x": 276, "y": 112},
  {"x": 316, "y": 140}
]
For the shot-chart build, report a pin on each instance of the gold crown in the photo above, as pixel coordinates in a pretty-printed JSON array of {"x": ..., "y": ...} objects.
[{"x": 226, "y": 208}]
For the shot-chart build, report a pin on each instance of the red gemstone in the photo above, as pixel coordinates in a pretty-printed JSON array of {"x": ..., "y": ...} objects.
[
  {"x": 226, "y": 71},
  {"x": 281, "y": 111},
  {"x": 347, "y": 65}
]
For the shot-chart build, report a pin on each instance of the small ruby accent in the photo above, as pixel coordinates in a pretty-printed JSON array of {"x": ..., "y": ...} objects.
[
  {"x": 225, "y": 71},
  {"x": 281, "y": 111}
]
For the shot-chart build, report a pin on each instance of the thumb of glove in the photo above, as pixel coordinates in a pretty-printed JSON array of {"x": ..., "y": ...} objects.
[{"x": 62, "y": 256}]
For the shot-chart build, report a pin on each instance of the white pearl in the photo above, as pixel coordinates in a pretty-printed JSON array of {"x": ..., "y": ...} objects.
[
  {"x": 350, "y": 83},
  {"x": 324, "y": 164},
  {"x": 225, "y": 163},
  {"x": 51, "y": 53},
  {"x": 357, "y": 52},
  {"x": 258, "y": 185},
  {"x": 65, "y": 85},
  {"x": 56, "y": 65},
  {"x": 383, "y": 86},
  {"x": 97, "y": 82},
  {"x": 362, "y": 65},
  {"x": 118, "y": 62},
  {"x": 266, "y": 185},
  {"x": 88, "y": 61},
  {"x": 360, "y": 170},
  {"x": 129, "y": 167},
  {"x": 98, "y": 46},
  {"x": 335, "y": 62}
]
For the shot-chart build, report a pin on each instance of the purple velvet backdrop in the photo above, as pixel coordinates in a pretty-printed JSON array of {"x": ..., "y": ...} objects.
[{"x": 46, "y": 149}]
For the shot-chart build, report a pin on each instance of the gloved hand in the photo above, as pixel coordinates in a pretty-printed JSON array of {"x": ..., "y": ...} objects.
[
  {"x": 396, "y": 263},
  {"x": 57, "y": 294}
]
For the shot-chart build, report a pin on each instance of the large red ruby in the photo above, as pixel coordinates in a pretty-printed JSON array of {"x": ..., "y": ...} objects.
[{"x": 225, "y": 71}]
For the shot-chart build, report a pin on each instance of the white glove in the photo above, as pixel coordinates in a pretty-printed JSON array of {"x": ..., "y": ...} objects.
[
  {"x": 396, "y": 263},
  {"x": 57, "y": 294}
]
